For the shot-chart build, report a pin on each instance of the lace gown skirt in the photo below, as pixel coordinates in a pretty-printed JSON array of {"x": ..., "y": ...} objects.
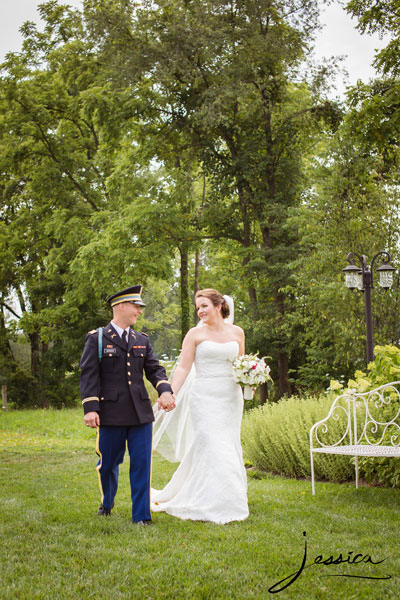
[{"x": 210, "y": 483}]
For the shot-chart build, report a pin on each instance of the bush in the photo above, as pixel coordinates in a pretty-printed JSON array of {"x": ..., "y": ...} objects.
[
  {"x": 384, "y": 369},
  {"x": 275, "y": 438},
  {"x": 382, "y": 471},
  {"x": 21, "y": 387}
]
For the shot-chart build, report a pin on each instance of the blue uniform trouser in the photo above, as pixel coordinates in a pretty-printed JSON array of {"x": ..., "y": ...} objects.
[{"x": 111, "y": 446}]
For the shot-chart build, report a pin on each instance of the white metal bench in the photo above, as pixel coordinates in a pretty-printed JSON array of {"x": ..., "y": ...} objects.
[{"x": 364, "y": 430}]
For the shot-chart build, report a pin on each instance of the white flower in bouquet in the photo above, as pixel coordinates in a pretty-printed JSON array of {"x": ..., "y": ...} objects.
[{"x": 250, "y": 370}]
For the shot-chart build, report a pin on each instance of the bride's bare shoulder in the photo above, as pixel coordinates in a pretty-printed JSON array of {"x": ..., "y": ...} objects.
[
  {"x": 238, "y": 331},
  {"x": 193, "y": 334}
]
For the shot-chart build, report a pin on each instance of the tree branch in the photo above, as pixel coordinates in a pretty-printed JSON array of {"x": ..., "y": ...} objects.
[{"x": 10, "y": 309}]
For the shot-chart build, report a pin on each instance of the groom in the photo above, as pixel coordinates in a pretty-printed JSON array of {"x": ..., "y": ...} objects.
[{"x": 115, "y": 400}]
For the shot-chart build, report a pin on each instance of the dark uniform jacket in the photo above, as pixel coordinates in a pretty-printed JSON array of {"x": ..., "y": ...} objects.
[{"x": 114, "y": 386}]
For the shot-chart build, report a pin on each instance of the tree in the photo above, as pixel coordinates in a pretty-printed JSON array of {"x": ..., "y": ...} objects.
[
  {"x": 353, "y": 207},
  {"x": 221, "y": 76},
  {"x": 52, "y": 180},
  {"x": 181, "y": 145}
]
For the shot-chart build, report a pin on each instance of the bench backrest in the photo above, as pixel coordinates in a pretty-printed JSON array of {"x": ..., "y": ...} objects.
[{"x": 361, "y": 418}]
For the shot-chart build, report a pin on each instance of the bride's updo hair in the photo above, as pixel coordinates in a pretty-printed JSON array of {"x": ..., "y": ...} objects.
[{"x": 216, "y": 298}]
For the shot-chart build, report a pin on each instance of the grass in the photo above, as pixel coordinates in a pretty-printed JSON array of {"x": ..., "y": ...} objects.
[{"x": 53, "y": 545}]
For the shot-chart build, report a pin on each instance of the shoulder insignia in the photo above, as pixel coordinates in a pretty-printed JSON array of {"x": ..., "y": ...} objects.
[
  {"x": 92, "y": 332},
  {"x": 143, "y": 333}
]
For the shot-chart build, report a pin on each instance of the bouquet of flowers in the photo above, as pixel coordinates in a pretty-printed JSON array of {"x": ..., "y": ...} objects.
[{"x": 250, "y": 371}]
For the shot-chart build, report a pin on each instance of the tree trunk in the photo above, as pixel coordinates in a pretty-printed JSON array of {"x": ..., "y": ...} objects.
[
  {"x": 36, "y": 368},
  {"x": 5, "y": 346},
  {"x": 4, "y": 397},
  {"x": 35, "y": 354},
  {"x": 196, "y": 282},
  {"x": 263, "y": 393},
  {"x": 44, "y": 401},
  {"x": 246, "y": 243},
  {"x": 283, "y": 374},
  {"x": 185, "y": 304}
]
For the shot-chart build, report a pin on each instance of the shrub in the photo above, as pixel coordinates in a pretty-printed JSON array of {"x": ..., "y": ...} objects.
[
  {"x": 22, "y": 386},
  {"x": 275, "y": 438},
  {"x": 384, "y": 369}
]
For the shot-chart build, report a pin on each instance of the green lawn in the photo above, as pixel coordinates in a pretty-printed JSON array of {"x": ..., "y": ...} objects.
[{"x": 53, "y": 544}]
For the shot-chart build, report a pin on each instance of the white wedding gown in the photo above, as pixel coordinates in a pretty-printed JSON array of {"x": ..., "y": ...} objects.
[{"x": 210, "y": 483}]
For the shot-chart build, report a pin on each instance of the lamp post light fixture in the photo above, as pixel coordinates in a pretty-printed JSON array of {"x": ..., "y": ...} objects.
[{"x": 362, "y": 278}]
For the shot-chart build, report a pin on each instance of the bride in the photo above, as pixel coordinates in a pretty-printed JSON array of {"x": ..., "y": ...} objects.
[{"x": 210, "y": 483}]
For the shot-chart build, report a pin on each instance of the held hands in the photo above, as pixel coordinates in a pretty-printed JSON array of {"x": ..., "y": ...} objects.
[
  {"x": 166, "y": 401},
  {"x": 91, "y": 419}
]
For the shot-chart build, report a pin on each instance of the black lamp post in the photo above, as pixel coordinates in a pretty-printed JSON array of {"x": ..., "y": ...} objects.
[{"x": 362, "y": 278}]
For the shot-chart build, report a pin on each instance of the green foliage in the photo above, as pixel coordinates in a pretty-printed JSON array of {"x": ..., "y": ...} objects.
[
  {"x": 380, "y": 471},
  {"x": 161, "y": 319},
  {"x": 184, "y": 145},
  {"x": 52, "y": 179},
  {"x": 353, "y": 206},
  {"x": 235, "y": 97},
  {"x": 22, "y": 388},
  {"x": 275, "y": 438},
  {"x": 385, "y": 368}
]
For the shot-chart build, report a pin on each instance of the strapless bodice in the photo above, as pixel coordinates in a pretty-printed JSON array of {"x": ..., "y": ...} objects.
[{"x": 214, "y": 359}]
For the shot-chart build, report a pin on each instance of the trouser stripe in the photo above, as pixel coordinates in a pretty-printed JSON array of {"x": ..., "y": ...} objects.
[
  {"x": 151, "y": 464},
  {"x": 99, "y": 463}
]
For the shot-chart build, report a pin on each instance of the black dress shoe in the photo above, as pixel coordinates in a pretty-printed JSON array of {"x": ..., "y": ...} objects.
[{"x": 104, "y": 511}]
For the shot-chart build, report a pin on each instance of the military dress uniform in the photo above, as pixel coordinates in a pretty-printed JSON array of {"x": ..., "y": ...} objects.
[{"x": 113, "y": 386}]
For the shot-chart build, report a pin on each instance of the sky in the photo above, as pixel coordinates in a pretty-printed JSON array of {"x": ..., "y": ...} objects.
[{"x": 339, "y": 37}]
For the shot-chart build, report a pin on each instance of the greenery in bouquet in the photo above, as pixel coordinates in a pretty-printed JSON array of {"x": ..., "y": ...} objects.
[{"x": 251, "y": 370}]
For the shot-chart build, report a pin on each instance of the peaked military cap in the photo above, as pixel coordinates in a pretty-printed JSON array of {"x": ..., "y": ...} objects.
[{"x": 131, "y": 294}]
